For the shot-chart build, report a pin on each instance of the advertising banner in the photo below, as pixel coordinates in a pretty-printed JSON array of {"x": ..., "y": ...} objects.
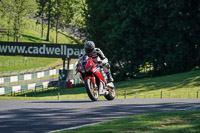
[{"x": 41, "y": 50}]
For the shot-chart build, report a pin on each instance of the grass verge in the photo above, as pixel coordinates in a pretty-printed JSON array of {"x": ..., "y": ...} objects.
[
  {"x": 167, "y": 122},
  {"x": 182, "y": 85}
]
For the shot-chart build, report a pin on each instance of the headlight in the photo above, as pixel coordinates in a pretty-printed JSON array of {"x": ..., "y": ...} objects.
[{"x": 89, "y": 68}]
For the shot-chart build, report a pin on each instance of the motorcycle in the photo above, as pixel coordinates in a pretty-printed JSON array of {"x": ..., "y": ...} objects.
[{"x": 95, "y": 79}]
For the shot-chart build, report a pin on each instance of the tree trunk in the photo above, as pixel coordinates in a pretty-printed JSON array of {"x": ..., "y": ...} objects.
[
  {"x": 9, "y": 27},
  {"x": 42, "y": 27},
  {"x": 15, "y": 27},
  {"x": 8, "y": 35},
  {"x": 47, "y": 39},
  {"x": 57, "y": 31},
  {"x": 14, "y": 36},
  {"x": 49, "y": 18}
]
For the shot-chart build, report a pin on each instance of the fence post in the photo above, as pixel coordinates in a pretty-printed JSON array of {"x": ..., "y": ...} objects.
[
  {"x": 161, "y": 94},
  {"x": 125, "y": 94},
  {"x": 58, "y": 96},
  {"x": 197, "y": 94}
]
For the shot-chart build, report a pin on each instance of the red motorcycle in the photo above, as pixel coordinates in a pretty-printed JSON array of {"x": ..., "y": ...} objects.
[{"x": 95, "y": 79}]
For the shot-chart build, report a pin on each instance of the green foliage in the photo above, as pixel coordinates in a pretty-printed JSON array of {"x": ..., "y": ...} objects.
[
  {"x": 14, "y": 13},
  {"x": 79, "y": 13},
  {"x": 57, "y": 13},
  {"x": 63, "y": 14},
  {"x": 163, "y": 34}
]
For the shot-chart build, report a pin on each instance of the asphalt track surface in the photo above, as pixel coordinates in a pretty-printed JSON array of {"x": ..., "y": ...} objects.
[{"x": 19, "y": 116}]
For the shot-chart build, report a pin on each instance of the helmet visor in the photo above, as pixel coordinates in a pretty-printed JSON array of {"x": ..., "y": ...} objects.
[{"x": 88, "y": 50}]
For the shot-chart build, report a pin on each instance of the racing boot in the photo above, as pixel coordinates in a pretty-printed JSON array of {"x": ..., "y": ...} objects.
[
  {"x": 109, "y": 76},
  {"x": 110, "y": 80}
]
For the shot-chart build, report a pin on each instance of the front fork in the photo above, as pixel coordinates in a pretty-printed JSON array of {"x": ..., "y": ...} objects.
[
  {"x": 102, "y": 89},
  {"x": 92, "y": 77}
]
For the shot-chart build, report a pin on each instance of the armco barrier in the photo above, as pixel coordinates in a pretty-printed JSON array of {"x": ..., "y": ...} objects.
[
  {"x": 29, "y": 86},
  {"x": 29, "y": 76},
  {"x": 17, "y": 78}
]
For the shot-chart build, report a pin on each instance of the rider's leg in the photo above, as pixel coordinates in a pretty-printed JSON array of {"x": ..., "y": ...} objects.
[{"x": 106, "y": 68}]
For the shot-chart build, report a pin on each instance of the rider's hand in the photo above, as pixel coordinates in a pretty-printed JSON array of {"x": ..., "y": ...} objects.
[{"x": 99, "y": 63}]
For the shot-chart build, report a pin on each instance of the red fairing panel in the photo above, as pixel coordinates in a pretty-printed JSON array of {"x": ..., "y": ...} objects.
[
  {"x": 95, "y": 70},
  {"x": 99, "y": 75}
]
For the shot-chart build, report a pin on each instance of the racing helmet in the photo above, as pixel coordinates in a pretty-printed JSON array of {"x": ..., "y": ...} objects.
[{"x": 89, "y": 47}]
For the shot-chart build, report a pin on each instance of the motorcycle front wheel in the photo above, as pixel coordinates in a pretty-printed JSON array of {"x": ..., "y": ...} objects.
[{"x": 91, "y": 91}]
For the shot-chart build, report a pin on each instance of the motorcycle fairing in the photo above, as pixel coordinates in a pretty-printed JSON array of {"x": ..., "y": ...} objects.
[
  {"x": 87, "y": 63},
  {"x": 97, "y": 72},
  {"x": 95, "y": 69}
]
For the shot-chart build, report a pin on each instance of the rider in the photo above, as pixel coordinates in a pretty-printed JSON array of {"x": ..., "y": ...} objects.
[{"x": 93, "y": 52}]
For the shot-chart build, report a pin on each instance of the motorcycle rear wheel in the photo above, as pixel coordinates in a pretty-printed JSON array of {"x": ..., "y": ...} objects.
[
  {"x": 111, "y": 95},
  {"x": 90, "y": 89}
]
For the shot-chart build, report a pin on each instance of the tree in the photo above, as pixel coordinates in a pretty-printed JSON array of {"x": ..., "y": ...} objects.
[
  {"x": 21, "y": 9},
  {"x": 58, "y": 13},
  {"x": 63, "y": 15},
  {"x": 6, "y": 13},
  {"x": 14, "y": 13},
  {"x": 49, "y": 13},
  {"x": 163, "y": 34},
  {"x": 41, "y": 13}
]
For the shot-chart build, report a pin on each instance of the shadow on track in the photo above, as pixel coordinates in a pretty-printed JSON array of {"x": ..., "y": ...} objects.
[{"x": 44, "y": 116}]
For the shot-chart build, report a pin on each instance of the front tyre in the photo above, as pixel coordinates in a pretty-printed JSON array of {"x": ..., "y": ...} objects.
[
  {"x": 90, "y": 89},
  {"x": 111, "y": 94}
]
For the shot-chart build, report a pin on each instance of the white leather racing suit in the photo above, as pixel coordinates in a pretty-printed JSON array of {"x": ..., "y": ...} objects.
[{"x": 99, "y": 58}]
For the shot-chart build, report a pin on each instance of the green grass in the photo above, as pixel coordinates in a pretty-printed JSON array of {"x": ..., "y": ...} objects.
[
  {"x": 32, "y": 33},
  {"x": 183, "y": 85},
  {"x": 167, "y": 122},
  {"x": 14, "y": 63}
]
